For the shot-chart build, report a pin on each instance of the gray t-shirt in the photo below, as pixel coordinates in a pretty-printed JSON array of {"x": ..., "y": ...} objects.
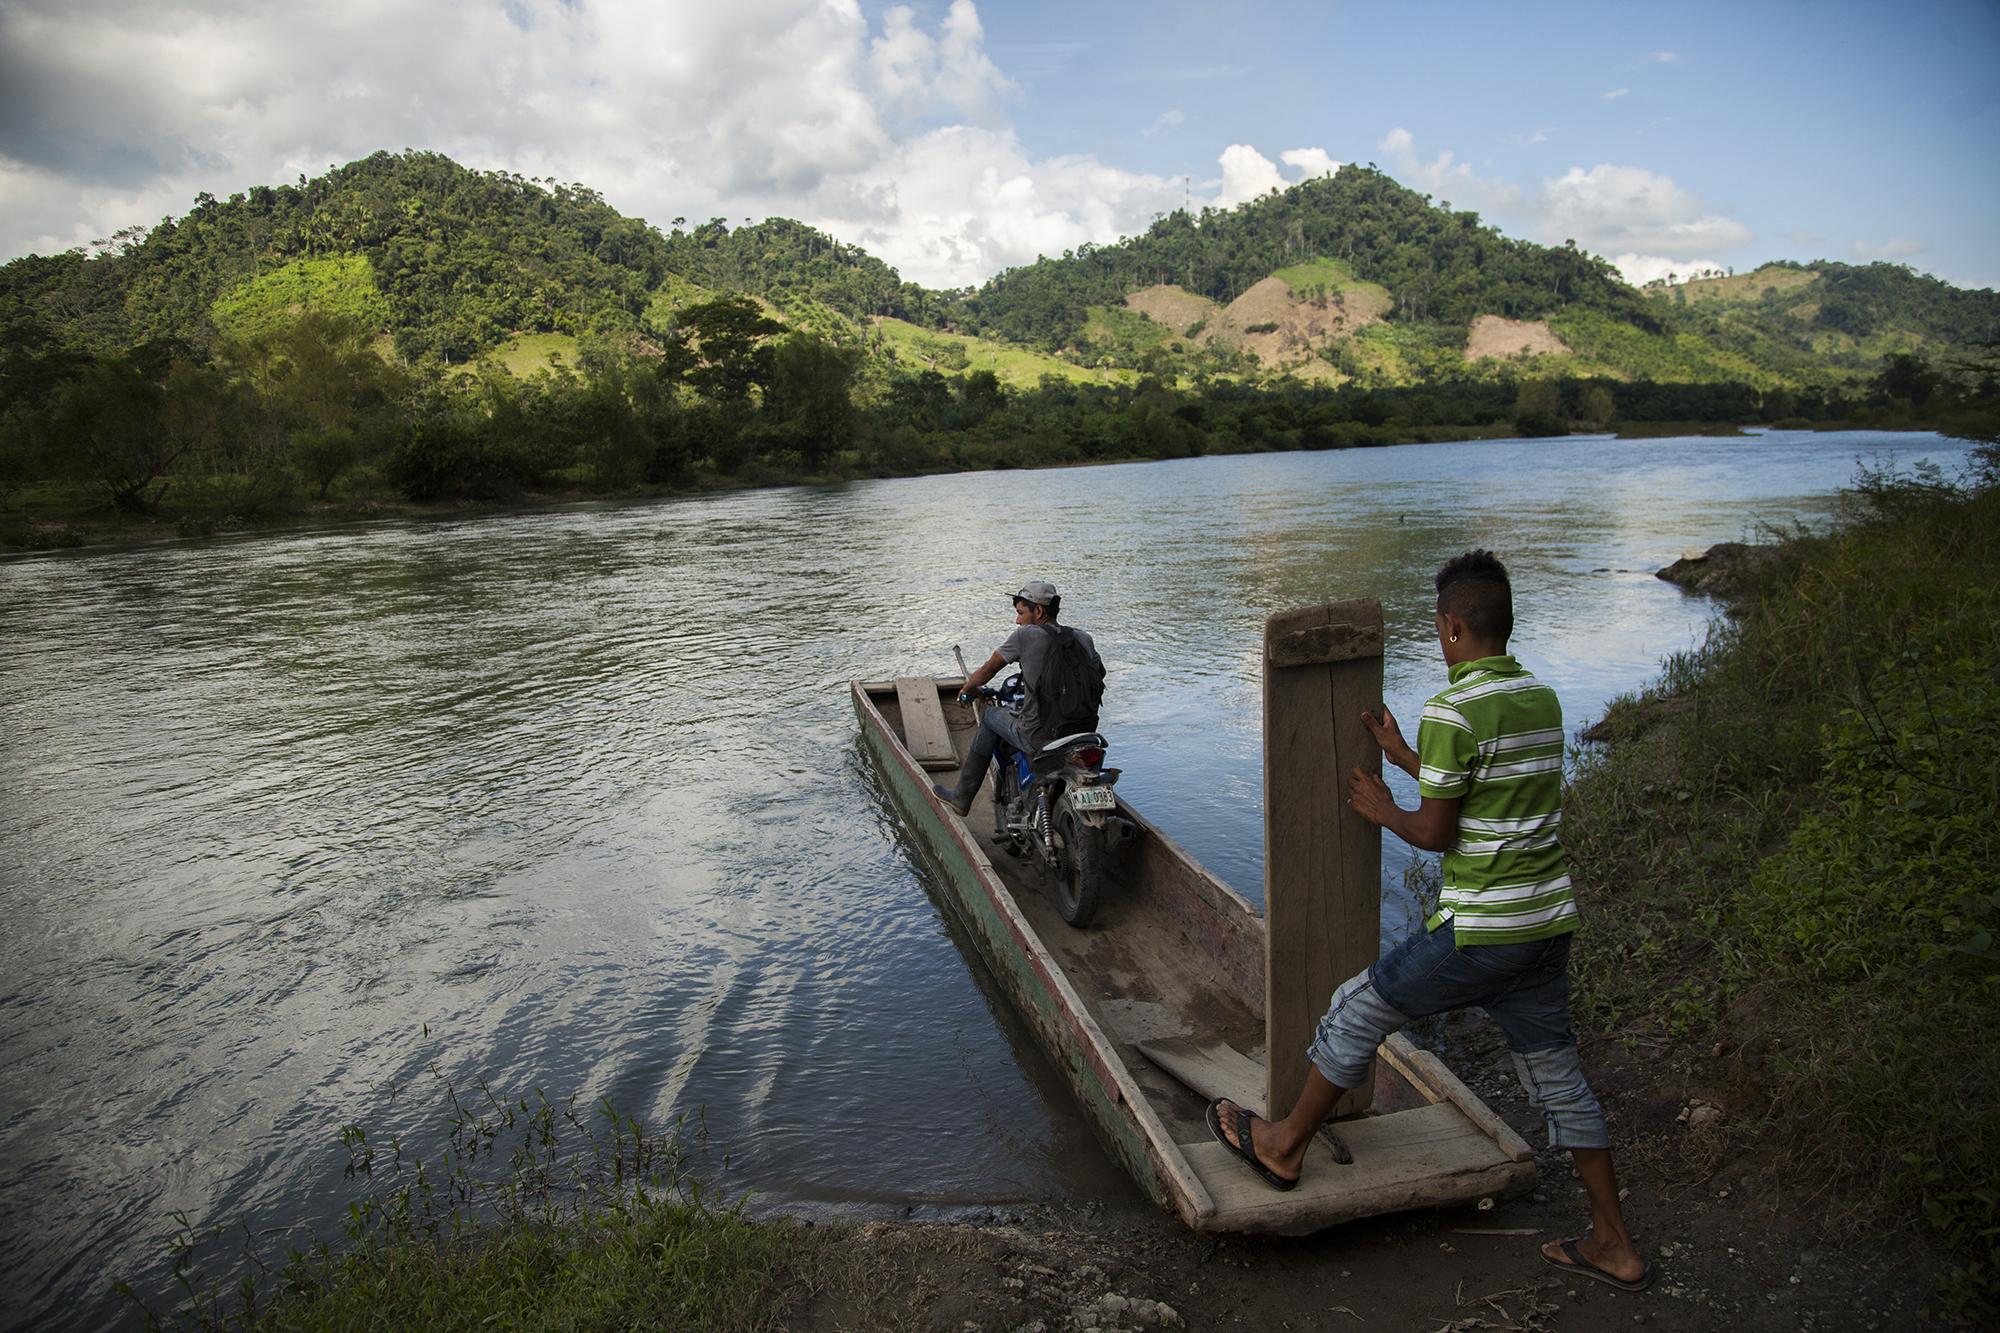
[{"x": 1029, "y": 646}]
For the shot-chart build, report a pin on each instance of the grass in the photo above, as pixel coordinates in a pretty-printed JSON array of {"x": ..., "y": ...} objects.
[
  {"x": 1016, "y": 366},
  {"x": 343, "y": 285},
  {"x": 533, "y": 1215},
  {"x": 525, "y": 353},
  {"x": 1747, "y": 287},
  {"x": 1790, "y": 845},
  {"x": 1118, "y": 329},
  {"x": 1616, "y": 350},
  {"x": 1314, "y": 275}
]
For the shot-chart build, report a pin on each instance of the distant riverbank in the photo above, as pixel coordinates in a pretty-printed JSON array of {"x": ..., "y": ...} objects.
[{"x": 55, "y": 517}]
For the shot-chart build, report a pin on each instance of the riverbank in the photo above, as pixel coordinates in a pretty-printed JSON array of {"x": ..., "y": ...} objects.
[
  {"x": 56, "y": 516},
  {"x": 1781, "y": 994}
]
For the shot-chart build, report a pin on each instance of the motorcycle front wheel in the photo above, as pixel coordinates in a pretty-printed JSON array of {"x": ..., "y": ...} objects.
[{"x": 1080, "y": 871}]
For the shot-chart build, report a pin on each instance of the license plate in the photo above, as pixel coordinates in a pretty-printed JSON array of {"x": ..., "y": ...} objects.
[{"x": 1093, "y": 798}]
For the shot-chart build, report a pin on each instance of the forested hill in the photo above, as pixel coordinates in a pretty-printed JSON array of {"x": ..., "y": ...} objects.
[
  {"x": 1347, "y": 279},
  {"x": 1441, "y": 266},
  {"x": 456, "y": 261}
]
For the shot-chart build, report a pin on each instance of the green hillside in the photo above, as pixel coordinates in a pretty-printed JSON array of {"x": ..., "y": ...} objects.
[
  {"x": 405, "y": 330},
  {"x": 457, "y": 265}
]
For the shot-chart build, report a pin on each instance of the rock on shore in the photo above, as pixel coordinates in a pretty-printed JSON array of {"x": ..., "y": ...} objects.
[{"x": 1727, "y": 569}]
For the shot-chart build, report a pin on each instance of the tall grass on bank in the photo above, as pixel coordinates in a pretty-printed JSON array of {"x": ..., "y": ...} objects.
[
  {"x": 1792, "y": 848},
  {"x": 534, "y": 1215}
]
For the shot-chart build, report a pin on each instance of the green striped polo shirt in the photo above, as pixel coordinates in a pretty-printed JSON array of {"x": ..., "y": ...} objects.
[{"x": 1494, "y": 739}]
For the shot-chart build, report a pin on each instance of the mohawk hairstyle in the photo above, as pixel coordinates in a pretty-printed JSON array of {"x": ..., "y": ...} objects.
[{"x": 1475, "y": 588}]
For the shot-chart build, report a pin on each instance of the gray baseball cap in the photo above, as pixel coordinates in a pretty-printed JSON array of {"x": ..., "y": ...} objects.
[{"x": 1036, "y": 591}]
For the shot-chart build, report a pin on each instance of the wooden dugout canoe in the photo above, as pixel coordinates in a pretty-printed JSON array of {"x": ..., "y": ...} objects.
[{"x": 1159, "y": 1007}]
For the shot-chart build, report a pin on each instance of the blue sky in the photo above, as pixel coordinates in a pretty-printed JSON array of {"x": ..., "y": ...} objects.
[
  {"x": 955, "y": 138},
  {"x": 1840, "y": 131}
]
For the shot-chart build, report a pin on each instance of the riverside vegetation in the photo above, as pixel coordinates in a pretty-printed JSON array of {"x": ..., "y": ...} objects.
[
  {"x": 1786, "y": 850},
  {"x": 1788, "y": 847},
  {"x": 405, "y": 332}
]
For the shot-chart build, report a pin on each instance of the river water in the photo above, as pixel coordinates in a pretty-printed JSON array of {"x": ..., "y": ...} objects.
[{"x": 572, "y": 801}]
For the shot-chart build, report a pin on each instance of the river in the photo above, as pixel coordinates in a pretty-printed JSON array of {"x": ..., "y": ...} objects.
[{"x": 573, "y": 801}]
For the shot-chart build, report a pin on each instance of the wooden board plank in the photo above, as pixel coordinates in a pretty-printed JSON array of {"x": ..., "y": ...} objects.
[
  {"x": 1318, "y": 645},
  {"x": 1427, "y": 1157},
  {"x": 1432, "y": 1077},
  {"x": 925, "y": 734},
  {"x": 1322, "y": 862},
  {"x": 1211, "y": 1068}
]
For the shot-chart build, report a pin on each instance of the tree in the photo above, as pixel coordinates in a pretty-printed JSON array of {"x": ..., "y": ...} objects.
[
  {"x": 809, "y": 396},
  {"x": 110, "y": 421},
  {"x": 722, "y": 348}
]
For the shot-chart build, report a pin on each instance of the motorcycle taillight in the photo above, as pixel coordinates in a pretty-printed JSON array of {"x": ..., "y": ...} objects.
[{"x": 1090, "y": 758}]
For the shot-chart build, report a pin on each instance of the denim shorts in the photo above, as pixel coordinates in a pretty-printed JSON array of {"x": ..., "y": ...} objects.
[{"x": 1525, "y": 987}]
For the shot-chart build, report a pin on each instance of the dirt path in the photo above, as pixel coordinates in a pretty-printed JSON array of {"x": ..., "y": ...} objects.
[{"x": 1726, "y": 1259}]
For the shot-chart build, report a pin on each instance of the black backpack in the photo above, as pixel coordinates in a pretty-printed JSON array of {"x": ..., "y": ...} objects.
[{"x": 1071, "y": 687}]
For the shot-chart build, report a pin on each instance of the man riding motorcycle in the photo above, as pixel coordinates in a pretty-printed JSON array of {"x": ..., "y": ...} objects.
[{"x": 1032, "y": 644}]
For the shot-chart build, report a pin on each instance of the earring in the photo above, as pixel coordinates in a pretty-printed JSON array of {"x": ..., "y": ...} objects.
[{"x": 1454, "y": 638}]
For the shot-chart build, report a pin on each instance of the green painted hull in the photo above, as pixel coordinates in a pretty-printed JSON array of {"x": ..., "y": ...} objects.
[{"x": 1023, "y": 968}]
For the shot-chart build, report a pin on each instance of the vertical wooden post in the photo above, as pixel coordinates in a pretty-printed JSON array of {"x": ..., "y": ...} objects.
[{"x": 1322, "y": 862}]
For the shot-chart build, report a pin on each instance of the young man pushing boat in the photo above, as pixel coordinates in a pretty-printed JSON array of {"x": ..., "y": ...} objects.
[
  {"x": 1036, "y": 640},
  {"x": 1488, "y": 764}
]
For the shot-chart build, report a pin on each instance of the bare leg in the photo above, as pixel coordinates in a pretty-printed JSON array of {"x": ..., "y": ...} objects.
[
  {"x": 1608, "y": 1245},
  {"x": 1282, "y": 1145}
]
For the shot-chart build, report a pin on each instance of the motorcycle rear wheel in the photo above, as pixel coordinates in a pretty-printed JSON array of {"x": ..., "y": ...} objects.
[{"x": 1080, "y": 870}]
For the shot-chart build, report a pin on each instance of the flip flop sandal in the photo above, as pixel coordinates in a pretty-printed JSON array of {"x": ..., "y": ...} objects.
[
  {"x": 1582, "y": 1267},
  {"x": 1244, "y": 1147}
]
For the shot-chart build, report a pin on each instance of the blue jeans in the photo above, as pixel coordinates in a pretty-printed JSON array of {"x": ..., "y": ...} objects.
[
  {"x": 996, "y": 728},
  {"x": 1525, "y": 987}
]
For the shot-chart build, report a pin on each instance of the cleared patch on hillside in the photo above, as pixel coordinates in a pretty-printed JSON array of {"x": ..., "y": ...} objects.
[
  {"x": 343, "y": 285},
  {"x": 1172, "y": 307},
  {"x": 674, "y": 294},
  {"x": 1278, "y": 328},
  {"x": 955, "y": 354},
  {"x": 525, "y": 353},
  {"x": 1503, "y": 338},
  {"x": 1128, "y": 330},
  {"x": 1742, "y": 286},
  {"x": 1317, "y": 278}
]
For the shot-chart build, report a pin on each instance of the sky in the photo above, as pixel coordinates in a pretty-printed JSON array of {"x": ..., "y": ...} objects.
[{"x": 955, "y": 138}]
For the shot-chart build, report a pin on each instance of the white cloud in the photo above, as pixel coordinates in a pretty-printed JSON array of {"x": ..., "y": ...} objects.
[
  {"x": 1642, "y": 269},
  {"x": 1311, "y": 162},
  {"x": 1444, "y": 176},
  {"x": 1166, "y": 120},
  {"x": 1246, "y": 175},
  {"x": 123, "y": 110},
  {"x": 957, "y": 204},
  {"x": 1613, "y": 209},
  {"x": 1617, "y": 93},
  {"x": 1896, "y": 247},
  {"x": 1665, "y": 58},
  {"x": 916, "y": 71}
]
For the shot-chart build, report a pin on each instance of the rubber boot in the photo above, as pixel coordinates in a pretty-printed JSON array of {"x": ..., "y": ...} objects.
[{"x": 962, "y": 804}]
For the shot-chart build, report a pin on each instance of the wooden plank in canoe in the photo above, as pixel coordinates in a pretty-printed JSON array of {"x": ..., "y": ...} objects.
[
  {"x": 925, "y": 734},
  {"x": 1212, "y": 1068},
  {"x": 1428, "y": 1157},
  {"x": 1430, "y": 1076},
  {"x": 1322, "y": 862}
]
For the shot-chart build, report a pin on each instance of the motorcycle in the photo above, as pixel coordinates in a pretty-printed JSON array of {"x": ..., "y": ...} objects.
[{"x": 1056, "y": 808}]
